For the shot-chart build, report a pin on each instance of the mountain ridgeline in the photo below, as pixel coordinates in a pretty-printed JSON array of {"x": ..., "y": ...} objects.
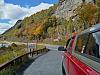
[
  {"x": 66, "y": 17},
  {"x": 32, "y": 26}
]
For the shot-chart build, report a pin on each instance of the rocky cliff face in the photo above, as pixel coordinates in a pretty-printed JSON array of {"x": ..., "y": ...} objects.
[{"x": 66, "y": 9}]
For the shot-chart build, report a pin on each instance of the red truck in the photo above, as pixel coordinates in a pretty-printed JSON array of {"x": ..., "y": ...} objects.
[{"x": 82, "y": 53}]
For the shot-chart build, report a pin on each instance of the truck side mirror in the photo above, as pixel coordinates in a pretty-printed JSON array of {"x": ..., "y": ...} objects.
[{"x": 61, "y": 48}]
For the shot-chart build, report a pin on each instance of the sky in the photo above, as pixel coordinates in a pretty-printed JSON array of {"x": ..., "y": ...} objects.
[{"x": 13, "y": 10}]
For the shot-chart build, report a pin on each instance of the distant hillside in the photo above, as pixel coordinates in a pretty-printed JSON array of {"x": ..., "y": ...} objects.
[
  {"x": 66, "y": 17},
  {"x": 14, "y": 27},
  {"x": 35, "y": 25}
]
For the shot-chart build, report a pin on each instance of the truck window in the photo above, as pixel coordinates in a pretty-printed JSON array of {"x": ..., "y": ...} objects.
[
  {"x": 89, "y": 46},
  {"x": 93, "y": 45},
  {"x": 81, "y": 43}
]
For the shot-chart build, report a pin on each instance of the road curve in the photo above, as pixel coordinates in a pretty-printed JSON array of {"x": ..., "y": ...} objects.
[{"x": 47, "y": 64}]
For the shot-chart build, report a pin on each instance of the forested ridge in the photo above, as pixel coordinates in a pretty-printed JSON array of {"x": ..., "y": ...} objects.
[{"x": 45, "y": 25}]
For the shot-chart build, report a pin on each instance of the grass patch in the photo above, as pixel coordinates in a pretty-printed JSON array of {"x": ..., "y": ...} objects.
[
  {"x": 40, "y": 47},
  {"x": 11, "y": 52}
]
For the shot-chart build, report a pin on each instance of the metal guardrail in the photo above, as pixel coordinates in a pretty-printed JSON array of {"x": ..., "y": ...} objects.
[{"x": 10, "y": 67}]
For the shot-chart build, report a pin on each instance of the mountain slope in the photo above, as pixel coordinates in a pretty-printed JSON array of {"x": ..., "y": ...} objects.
[
  {"x": 32, "y": 25},
  {"x": 66, "y": 17}
]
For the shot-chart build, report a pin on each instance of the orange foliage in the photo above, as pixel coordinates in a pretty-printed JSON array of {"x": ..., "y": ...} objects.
[
  {"x": 87, "y": 13},
  {"x": 39, "y": 30}
]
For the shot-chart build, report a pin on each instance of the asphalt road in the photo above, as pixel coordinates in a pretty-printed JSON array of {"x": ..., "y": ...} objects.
[{"x": 47, "y": 64}]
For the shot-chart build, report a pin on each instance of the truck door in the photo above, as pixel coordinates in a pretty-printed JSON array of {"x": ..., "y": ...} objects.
[{"x": 67, "y": 54}]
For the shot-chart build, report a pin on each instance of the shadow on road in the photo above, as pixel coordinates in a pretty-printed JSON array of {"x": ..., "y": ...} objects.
[{"x": 23, "y": 67}]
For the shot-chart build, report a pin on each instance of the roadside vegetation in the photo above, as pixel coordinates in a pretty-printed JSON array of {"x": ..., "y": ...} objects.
[
  {"x": 40, "y": 47},
  {"x": 13, "y": 51},
  {"x": 10, "y": 52}
]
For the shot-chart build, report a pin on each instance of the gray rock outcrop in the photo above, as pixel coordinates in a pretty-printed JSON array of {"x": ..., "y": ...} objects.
[{"x": 66, "y": 9}]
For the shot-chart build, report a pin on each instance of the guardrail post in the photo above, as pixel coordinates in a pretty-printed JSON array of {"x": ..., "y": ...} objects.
[
  {"x": 37, "y": 52},
  {"x": 32, "y": 52}
]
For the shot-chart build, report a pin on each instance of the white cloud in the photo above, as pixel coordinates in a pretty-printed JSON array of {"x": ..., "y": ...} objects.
[
  {"x": 1, "y": 2},
  {"x": 40, "y": 7},
  {"x": 11, "y": 11},
  {"x": 16, "y": 12},
  {"x": 12, "y": 22},
  {"x": 4, "y": 26}
]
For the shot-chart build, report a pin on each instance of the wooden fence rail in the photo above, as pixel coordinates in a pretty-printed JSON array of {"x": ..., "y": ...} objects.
[{"x": 10, "y": 67}]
